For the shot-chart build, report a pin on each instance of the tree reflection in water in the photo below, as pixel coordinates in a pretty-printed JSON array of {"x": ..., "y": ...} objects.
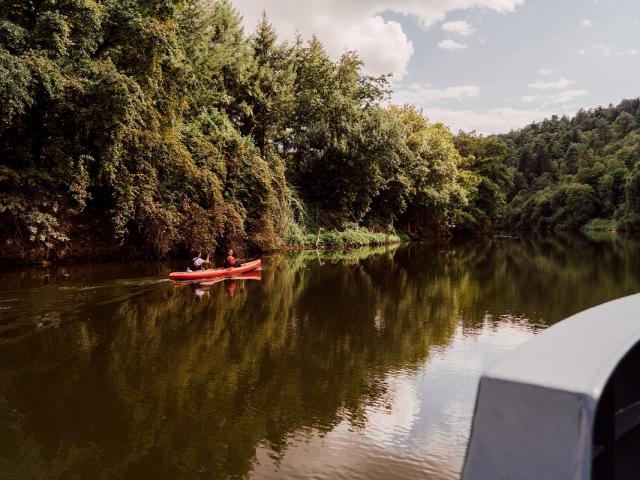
[{"x": 108, "y": 378}]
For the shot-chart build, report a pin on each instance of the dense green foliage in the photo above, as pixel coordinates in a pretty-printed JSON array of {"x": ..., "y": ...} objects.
[
  {"x": 117, "y": 110},
  {"x": 569, "y": 171},
  {"x": 486, "y": 178},
  {"x": 162, "y": 124}
]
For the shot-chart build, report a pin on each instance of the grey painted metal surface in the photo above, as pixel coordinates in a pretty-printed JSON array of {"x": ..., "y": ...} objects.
[{"x": 535, "y": 410}]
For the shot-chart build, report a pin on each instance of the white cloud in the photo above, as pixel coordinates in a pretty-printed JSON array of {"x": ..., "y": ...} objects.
[
  {"x": 424, "y": 95},
  {"x": 545, "y": 71},
  {"x": 358, "y": 24},
  {"x": 365, "y": 38},
  {"x": 585, "y": 23},
  {"x": 494, "y": 120},
  {"x": 532, "y": 98},
  {"x": 545, "y": 99},
  {"x": 561, "y": 97},
  {"x": 458, "y": 27},
  {"x": 451, "y": 45},
  {"x": 557, "y": 85},
  {"x": 582, "y": 51},
  {"x": 609, "y": 53},
  {"x": 569, "y": 96}
]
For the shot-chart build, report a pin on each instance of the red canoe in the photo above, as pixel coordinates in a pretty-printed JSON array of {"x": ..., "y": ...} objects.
[{"x": 216, "y": 272}]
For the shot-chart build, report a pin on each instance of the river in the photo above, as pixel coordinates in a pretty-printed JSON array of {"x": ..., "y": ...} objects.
[{"x": 359, "y": 365}]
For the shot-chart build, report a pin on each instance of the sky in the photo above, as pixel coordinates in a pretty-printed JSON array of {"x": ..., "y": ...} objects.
[{"x": 484, "y": 65}]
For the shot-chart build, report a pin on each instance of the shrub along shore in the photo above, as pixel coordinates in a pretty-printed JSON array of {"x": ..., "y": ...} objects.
[{"x": 345, "y": 239}]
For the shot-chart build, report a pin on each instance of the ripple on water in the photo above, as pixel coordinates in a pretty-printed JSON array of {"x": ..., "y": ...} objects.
[{"x": 417, "y": 429}]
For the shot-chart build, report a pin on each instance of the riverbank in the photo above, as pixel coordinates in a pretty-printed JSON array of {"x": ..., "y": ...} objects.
[{"x": 87, "y": 246}]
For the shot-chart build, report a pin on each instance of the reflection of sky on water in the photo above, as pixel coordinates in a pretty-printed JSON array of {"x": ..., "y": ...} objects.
[{"x": 420, "y": 429}]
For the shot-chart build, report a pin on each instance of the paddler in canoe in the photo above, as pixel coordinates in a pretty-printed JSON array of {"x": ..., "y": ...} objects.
[
  {"x": 231, "y": 261},
  {"x": 199, "y": 263},
  {"x": 239, "y": 268}
]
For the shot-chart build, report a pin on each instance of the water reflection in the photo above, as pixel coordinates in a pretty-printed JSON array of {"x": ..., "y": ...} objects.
[
  {"x": 361, "y": 365},
  {"x": 202, "y": 287},
  {"x": 420, "y": 430}
]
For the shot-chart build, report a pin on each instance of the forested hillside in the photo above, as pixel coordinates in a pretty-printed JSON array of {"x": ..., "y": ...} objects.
[
  {"x": 570, "y": 171},
  {"x": 162, "y": 125}
]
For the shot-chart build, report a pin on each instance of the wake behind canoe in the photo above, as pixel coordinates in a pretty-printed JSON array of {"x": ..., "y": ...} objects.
[{"x": 216, "y": 272}]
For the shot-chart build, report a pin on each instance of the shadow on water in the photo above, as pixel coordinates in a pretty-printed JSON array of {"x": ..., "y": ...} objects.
[{"x": 106, "y": 374}]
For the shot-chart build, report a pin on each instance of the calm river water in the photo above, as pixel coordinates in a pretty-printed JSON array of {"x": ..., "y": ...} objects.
[{"x": 361, "y": 365}]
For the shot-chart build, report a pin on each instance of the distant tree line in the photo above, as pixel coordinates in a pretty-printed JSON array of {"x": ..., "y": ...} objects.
[
  {"x": 568, "y": 171},
  {"x": 163, "y": 124}
]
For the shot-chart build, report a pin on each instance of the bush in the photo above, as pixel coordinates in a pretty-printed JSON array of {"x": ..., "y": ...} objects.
[
  {"x": 348, "y": 238},
  {"x": 600, "y": 225}
]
